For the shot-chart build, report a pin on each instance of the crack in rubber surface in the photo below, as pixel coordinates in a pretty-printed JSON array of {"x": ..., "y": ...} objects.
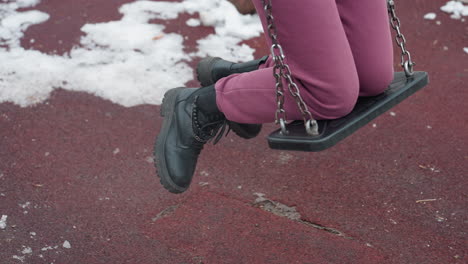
[{"x": 291, "y": 213}]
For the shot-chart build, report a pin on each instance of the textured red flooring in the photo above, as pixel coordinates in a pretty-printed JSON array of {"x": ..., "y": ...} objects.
[{"x": 78, "y": 168}]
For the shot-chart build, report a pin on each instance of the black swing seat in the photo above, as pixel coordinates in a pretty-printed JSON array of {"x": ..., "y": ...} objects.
[{"x": 333, "y": 131}]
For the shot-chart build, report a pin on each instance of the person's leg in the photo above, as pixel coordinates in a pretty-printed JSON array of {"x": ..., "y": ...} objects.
[
  {"x": 317, "y": 50},
  {"x": 368, "y": 30}
]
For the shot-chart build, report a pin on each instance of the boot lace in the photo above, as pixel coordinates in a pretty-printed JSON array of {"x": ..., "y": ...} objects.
[{"x": 213, "y": 129}]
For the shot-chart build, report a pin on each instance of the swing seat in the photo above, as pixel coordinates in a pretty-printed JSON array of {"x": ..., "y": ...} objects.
[{"x": 333, "y": 131}]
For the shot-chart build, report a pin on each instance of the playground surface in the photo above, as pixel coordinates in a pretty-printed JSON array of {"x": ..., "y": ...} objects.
[{"x": 78, "y": 185}]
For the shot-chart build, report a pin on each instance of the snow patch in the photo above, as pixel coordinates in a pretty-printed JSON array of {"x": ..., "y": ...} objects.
[
  {"x": 430, "y": 16},
  {"x": 25, "y": 205},
  {"x": 13, "y": 24},
  {"x": 192, "y": 22},
  {"x": 27, "y": 250},
  {"x": 20, "y": 258},
  {"x": 3, "y": 221},
  {"x": 150, "y": 159},
  {"x": 48, "y": 248},
  {"x": 227, "y": 21},
  {"x": 66, "y": 244},
  {"x": 456, "y": 9},
  {"x": 216, "y": 44},
  {"x": 129, "y": 61},
  {"x": 26, "y": 3}
]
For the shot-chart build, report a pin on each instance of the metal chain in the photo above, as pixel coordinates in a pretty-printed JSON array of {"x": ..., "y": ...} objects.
[
  {"x": 406, "y": 62},
  {"x": 282, "y": 71}
]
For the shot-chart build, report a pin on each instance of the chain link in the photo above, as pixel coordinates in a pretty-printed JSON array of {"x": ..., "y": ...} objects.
[
  {"x": 406, "y": 62},
  {"x": 282, "y": 71}
]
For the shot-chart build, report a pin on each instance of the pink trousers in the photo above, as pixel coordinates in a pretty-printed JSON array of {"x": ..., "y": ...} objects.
[{"x": 337, "y": 50}]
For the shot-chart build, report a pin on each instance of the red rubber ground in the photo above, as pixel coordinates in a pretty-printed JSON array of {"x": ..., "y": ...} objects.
[{"x": 359, "y": 202}]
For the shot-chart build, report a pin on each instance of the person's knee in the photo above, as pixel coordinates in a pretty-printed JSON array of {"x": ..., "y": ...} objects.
[
  {"x": 341, "y": 97},
  {"x": 375, "y": 81},
  {"x": 348, "y": 97}
]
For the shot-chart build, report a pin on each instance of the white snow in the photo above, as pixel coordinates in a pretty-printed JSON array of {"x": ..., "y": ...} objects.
[
  {"x": 465, "y": 49},
  {"x": 26, "y": 250},
  {"x": 20, "y": 258},
  {"x": 48, "y": 248},
  {"x": 430, "y": 16},
  {"x": 129, "y": 61},
  {"x": 12, "y": 26},
  {"x": 456, "y": 9},
  {"x": 25, "y": 205},
  {"x": 3, "y": 221},
  {"x": 26, "y": 3},
  {"x": 226, "y": 20},
  {"x": 66, "y": 244},
  {"x": 192, "y": 22}
]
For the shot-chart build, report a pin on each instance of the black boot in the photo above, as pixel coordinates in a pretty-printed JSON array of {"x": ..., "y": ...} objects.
[
  {"x": 191, "y": 118},
  {"x": 211, "y": 69}
]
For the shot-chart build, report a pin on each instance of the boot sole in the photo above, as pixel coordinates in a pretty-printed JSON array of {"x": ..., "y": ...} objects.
[
  {"x": 167, "y": 111},
  {"x": 204, "y": 71}
]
